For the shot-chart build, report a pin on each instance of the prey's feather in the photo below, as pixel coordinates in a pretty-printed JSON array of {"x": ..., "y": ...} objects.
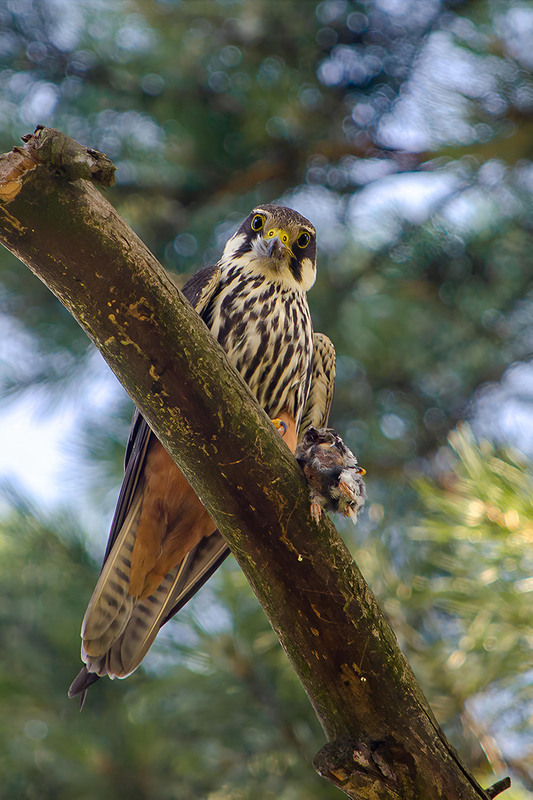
[{"x": 333, "y": 474}]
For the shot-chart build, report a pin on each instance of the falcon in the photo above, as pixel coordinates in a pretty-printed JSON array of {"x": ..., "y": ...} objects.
[{"x": 163, "y": 545}]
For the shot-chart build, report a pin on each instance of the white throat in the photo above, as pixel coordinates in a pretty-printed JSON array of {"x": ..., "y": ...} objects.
[{"x": 257, "y": 261}]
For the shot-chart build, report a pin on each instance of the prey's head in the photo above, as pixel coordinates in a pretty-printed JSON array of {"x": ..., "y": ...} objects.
[
  {"x": 326, "y": 445},
  {"x": 278, "y": 243}
]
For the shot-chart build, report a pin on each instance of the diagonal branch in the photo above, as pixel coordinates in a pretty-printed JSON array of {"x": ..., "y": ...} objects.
[{"x": 384, "y": 741}]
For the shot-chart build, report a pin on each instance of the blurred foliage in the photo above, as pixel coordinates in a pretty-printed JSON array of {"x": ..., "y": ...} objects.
[
  {"x": 460, "y": 599},
  {"x": 220, "y": 716},
  {"x": 403, "y": 130}
]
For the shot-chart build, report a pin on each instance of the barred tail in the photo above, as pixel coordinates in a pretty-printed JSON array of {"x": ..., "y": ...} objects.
[
  {"x": 122, "y": 645},
  {"x": 110, "y": 606},
  {"x": 118, "y": 629}
]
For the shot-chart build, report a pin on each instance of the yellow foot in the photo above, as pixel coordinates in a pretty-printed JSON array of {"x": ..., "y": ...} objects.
[{"x": 280, "y": 426}]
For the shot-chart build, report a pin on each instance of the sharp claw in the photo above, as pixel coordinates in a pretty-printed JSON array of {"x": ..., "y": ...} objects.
[
  {"x": 280, "y": 426},
  {"x": 316, "y": 512},
  {"x": 351, "y": 512}
]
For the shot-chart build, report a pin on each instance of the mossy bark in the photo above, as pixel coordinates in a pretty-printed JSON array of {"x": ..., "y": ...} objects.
[{"x": 383, "y": 739}]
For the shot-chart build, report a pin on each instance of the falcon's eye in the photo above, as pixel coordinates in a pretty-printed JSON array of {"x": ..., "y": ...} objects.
[
  {"x": 303, "y": 240},
  {"x": 257, "y": 222}
]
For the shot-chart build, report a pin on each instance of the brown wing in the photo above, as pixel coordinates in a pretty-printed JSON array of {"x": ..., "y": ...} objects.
[
  {"x": 320, "y": 397},
  {"x": 198, "y": 291},
  {"x": 162, "y": 547}
]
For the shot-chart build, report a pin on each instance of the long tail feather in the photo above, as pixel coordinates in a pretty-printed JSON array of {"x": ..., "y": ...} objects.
[
  {"x": 110, "y": 606},
  {"x": 151, "y": 613},
  {"x": 142, "y": 628},
  {"x": 139, "y": 621}
]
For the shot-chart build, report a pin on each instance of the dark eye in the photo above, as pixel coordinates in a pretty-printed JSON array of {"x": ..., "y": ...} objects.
[
  {"x": 303, "y": 240},
  {"x": 257, "y": 222}
]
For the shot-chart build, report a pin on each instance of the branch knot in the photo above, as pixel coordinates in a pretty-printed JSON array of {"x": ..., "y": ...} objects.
[{"x": 370, "y": 769}]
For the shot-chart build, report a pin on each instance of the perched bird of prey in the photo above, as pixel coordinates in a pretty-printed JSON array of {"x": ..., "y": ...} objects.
[
  {"x": 332, "y": 472},
  {"x": 163, "y": 545}
]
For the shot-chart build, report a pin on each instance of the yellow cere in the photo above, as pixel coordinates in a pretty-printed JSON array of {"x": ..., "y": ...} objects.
[{"x": 283, "y": 235}]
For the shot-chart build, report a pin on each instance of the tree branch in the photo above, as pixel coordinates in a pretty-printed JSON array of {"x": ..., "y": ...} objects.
[{"x": 384, "y": 740}]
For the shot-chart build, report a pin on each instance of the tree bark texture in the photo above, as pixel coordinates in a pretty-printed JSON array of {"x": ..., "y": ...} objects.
[{"x": 383, "y": 739}]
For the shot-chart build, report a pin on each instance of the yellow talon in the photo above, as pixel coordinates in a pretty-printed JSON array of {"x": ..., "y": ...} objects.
[{"x": 280, "y": 426}]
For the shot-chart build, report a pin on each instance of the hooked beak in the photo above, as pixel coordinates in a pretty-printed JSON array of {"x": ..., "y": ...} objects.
[
  {"x": 277, "y": 241},
  {"x": 275, "y": 248}
]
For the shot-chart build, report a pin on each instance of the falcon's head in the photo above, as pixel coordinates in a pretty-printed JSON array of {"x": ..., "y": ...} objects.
[{"x": 276, "y": 242}]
